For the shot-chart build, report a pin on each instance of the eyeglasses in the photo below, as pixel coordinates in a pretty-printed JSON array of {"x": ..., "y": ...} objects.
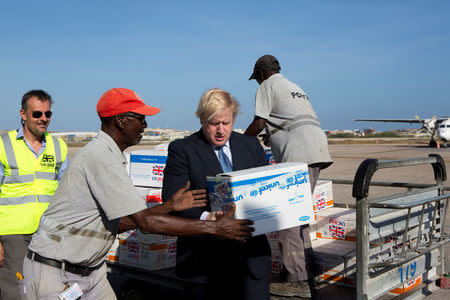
[
  {"x": 37, "y": 114},
  {"x": 134, "y": 115}
]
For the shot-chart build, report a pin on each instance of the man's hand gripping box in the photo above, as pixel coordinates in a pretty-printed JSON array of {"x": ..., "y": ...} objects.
[{"x": 275, "y": 197}]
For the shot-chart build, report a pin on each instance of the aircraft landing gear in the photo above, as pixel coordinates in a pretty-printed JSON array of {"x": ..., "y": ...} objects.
[{"x": 432, "y": 144}]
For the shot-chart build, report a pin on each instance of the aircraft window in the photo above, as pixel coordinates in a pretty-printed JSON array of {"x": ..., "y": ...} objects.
[{"x": 442, "y": 126}]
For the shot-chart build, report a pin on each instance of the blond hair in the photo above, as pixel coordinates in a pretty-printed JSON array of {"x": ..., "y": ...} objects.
[{"x": 213, "y": 101}]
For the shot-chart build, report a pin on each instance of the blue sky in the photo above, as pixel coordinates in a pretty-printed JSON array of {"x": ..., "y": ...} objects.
[{"x": 368, "y": 59}]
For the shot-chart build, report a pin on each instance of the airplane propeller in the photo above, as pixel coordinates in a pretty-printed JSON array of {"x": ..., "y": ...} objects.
[{"x": 428, "y": 124}]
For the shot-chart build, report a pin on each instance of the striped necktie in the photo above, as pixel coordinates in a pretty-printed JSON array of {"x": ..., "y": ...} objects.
[{"x": 224, "y": 161}]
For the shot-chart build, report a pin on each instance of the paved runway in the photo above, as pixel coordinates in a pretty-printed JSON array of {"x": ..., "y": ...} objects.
[{"x": 347, "y": 159}]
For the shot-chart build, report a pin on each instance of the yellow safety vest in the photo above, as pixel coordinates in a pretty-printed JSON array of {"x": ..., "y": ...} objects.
[{"x": 29, "y": 182}]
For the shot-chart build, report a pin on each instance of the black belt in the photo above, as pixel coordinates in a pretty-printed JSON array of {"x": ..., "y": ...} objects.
[{"x": 75, "y": 269}]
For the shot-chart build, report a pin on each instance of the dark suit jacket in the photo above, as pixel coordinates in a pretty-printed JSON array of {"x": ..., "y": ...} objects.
[{"x": 193, "y": 158}]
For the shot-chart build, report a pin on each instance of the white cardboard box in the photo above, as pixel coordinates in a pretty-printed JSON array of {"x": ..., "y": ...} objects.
[
  {"x": 113, "y": 253},
  {"x": 275, "y": 197},
  {"x": 151, "y": 196},
  {"x": 323, "y": 195},
  {"x": 147, "y": 256},
  {"x": 128, "y": 235},
  {"x": 147, "y": 167},
  {"x": 336, "y": 223},
  {"x": 335, "y": 261}
]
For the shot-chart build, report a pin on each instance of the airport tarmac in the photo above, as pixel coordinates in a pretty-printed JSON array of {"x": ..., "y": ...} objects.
[{"x": 347, "y": 159}]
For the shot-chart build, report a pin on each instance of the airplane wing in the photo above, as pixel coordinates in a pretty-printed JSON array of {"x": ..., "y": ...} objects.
[
  {"x": 392, "y": 120},
  {"x": 417, "y": 120}
]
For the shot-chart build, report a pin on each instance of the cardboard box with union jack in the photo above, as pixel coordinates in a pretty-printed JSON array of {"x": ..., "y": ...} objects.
[
  {"x": 336, "y": 223},
  {"x": 147, "y": 256},
  {"x": 323, "y": 195},
  {"x": 146, "y": 167}
]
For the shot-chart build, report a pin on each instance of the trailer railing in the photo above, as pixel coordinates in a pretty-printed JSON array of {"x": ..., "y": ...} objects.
[{"x": 416, "y": 219}]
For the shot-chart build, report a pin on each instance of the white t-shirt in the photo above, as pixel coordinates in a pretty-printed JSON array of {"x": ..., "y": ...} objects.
[
  {"x": 295, "y": 130},
  {"x": 82, "y": 221}
]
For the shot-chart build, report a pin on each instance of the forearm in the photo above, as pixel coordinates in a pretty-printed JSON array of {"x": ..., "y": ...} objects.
[
  {"x": 170, "y": 225},
  {"x": 255, "y": 127},
  {"x": 126, "y": 224}
]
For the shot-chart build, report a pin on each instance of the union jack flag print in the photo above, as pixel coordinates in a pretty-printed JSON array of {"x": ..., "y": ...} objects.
[
  {"x": 321, "y": 202},
  {"x": 394, "y": 238},
  {"x": 172, "y": 247},
  {"x": 158, "y": 170},
  {"x": 171, "y": 250},
  {"x": 133, "y": 249},
  {"x": 337, "y": 229},
  {"x": 276, "y": 266}
]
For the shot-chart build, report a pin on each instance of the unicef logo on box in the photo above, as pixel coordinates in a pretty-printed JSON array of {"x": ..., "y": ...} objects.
[
  {"x": 254, "y": 193},
  {"x": 304, "y": 218}
]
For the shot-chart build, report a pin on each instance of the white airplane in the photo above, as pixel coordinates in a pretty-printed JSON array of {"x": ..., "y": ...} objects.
[{"x": 439, "y": 128}]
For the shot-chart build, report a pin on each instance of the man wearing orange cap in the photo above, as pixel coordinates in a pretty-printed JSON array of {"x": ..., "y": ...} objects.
[{"x": 96, "y": 199}]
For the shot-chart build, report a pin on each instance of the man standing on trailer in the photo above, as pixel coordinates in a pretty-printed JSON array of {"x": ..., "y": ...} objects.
[{"x": 295, "y": 135}]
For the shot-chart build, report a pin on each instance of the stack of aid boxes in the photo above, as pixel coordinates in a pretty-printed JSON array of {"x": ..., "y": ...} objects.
[
  {"x": 335, "y": 262},
  {"x": 322, "y": 200},
  {"x": 335, "y": 249},
  {"x": 134, "y": 248},
  {"x": 323, "y": 194},
  {"x": 272, "y": 237},
  {"x": 336, "y": 224},
  {"x": 333, "y": 236}
]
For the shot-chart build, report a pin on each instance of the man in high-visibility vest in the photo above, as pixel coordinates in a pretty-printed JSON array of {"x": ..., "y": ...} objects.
[{"x": 31, "y": 164}]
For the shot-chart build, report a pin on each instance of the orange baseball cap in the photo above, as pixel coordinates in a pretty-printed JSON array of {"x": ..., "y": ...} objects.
[{"x": 119, "y": 100}]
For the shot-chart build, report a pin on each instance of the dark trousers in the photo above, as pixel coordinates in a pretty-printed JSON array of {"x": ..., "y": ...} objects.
[
  {"x": 234, "y": 272},
  {"x": 16, "y": 246},
  {"x": 227, "y": 288},
  {"x": 295, "y": 244}
]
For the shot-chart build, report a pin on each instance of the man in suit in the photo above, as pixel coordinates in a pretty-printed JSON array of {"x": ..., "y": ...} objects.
[{"x": 222, "y": 269}]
